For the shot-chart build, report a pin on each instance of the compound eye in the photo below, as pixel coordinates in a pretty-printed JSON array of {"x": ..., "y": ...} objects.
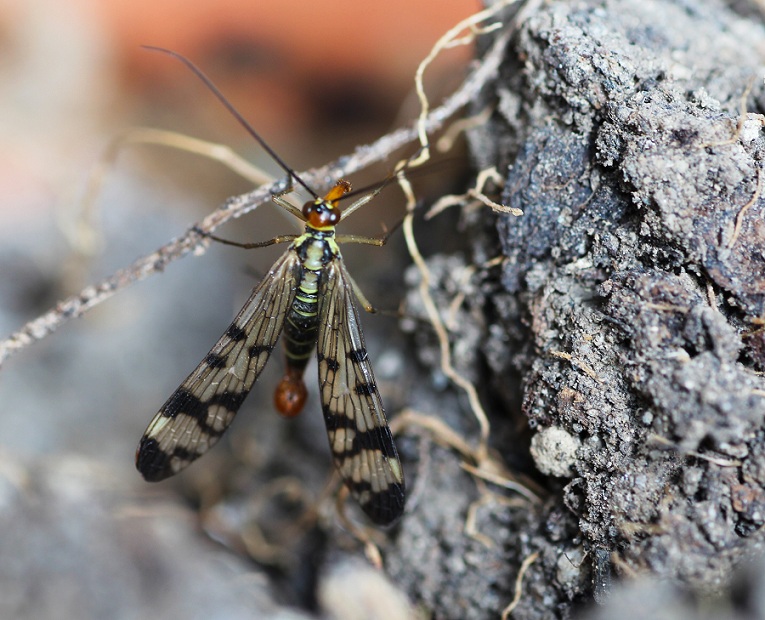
[{"x": 321, "y": 214}]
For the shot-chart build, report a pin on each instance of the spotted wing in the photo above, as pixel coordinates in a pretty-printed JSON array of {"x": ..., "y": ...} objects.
[
  {"x": 361, "y": 442},
  {"x": 201, "y": 409}
]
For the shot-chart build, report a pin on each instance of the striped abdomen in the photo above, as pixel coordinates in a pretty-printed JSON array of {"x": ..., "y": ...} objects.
[{"x": 301, "y": 325}]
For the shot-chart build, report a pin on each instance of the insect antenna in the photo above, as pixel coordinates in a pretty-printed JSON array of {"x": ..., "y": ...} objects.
[{"x": 291, "y": 174}]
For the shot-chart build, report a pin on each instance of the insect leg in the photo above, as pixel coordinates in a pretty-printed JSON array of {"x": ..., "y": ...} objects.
[
  {"x": 365, "y": 303},
  {"x": 286, "y": 204},
  {"x": 256, "y": 244},
  {"x": 377, "y": 241},
  {"x": 361, "y": 202}
]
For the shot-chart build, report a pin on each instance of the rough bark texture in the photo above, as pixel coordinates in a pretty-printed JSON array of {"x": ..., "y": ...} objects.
[{"x": 631, "y": 293}]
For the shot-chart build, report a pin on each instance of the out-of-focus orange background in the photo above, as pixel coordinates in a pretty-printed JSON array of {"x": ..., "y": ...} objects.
[{"x": 315, "y": 78}]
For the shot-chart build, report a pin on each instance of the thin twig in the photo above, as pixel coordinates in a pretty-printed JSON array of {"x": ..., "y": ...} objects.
[
  {"x": 193, "y": 239},
  {"x": 414, "y": 251},
  {"x": 475, "y": 193},
  {"x": 742, "y": 118},
  {"x": 519, "y": 585},
  {"x": 742, "y": 211},
  {"x": 578, "y": 363}
]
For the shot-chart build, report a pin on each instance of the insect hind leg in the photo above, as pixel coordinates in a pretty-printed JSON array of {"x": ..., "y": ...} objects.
[
  {"x": 247, "y": 246},
  {"x": 376, "y": 241},
  {"x": 359, "y": 294}
]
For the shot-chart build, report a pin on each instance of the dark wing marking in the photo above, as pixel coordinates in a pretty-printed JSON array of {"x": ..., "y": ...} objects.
[
  {"x": 361, "y": 442},
  {"x": 201, "y": 409}
]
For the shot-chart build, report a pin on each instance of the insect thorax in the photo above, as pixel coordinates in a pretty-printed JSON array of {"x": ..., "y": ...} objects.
[{"x": 315, "y": 249}]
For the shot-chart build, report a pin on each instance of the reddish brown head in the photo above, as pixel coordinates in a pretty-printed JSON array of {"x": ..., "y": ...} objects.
[{"x": 324, "y": 213}]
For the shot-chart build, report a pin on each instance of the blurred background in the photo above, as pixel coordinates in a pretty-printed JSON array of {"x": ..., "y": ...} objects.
[{"x": 315, "y": 79}]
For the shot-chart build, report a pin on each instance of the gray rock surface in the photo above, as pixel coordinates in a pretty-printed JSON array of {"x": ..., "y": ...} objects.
[{"x": 632, "y": 287}]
